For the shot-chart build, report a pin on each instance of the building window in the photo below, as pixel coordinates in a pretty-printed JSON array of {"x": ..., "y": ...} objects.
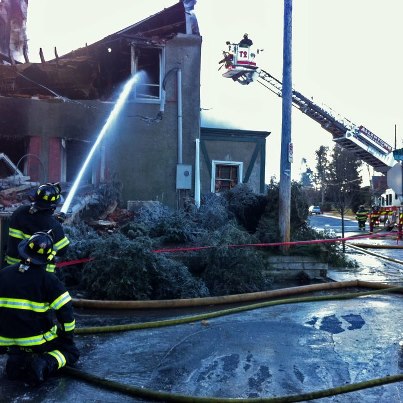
[
  {"x": 226, "y": 175},
  {"x": 76, "y": 152},
  {"x": 150, "y": 61}
]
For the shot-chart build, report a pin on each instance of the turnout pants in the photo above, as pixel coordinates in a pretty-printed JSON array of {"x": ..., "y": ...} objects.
[{"x": 37, "y": 363}]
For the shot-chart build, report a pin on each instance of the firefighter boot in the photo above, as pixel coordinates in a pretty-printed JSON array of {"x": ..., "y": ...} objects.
[
  {"x": 41, "y": 367},
  {"x": 17, "y": 366}
]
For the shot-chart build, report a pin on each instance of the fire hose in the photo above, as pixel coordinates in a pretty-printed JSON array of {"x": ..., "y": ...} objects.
[
  {"x": 210, "y": 315},
  {"x": 169, "y": 397}
]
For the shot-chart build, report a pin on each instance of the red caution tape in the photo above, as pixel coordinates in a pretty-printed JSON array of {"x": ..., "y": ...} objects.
[
  {"x": 255, "y": 245},
  {"x": 264, "y": 245},
  {"x": 73, "y": 262}
]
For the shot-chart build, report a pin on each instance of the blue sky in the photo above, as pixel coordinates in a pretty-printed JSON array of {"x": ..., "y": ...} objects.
[{"x": 345, "y": 54}]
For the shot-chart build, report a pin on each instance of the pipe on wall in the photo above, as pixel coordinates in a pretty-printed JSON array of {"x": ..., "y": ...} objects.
[
  {"x": 197, "y": 174},
  {"x": 179, "y": 84}
]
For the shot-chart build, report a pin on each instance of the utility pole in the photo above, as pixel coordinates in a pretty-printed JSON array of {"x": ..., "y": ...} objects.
[
  {"x": 286, "y": 145},
  {"x": 395, "y": 135}
]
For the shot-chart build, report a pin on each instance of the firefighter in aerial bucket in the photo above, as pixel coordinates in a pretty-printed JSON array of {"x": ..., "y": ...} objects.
[
  {"x": 31, "y": 298},
  {"x": 361, "y": 216},
  {"x": 227, "y": 60},
  {"x": 228, "y": 56},
  {"x": 245, "y": 41}
]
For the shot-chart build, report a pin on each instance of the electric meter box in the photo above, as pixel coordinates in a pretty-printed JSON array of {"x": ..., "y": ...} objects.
[{"x": 183, "y": 176}]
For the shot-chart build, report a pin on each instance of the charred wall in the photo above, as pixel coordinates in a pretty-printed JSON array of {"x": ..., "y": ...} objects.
[
  {"x": 141, "y": 151},
  {"x": 145, "y": 156}
]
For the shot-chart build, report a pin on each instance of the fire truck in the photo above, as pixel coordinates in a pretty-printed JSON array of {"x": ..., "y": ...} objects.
[{"x": 387, "y": 211}]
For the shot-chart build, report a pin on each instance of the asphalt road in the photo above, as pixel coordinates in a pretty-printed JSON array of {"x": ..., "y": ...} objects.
[
  {"x": 267, "y": 352},
  {"x": 332, "y": 223}
]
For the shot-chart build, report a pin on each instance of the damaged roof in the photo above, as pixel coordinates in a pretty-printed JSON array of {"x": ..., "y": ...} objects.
[
  {"x": 158, "y": 27},
  {"x": 76, "y": 75},
  {"x": 164, "y": 24}
]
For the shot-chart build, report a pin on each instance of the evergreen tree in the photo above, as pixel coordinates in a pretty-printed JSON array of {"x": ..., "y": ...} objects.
[
  {"x": 343, "y": 180},
  {"x": 322, "y": 169},
  {"x": 343, "y": 177}
]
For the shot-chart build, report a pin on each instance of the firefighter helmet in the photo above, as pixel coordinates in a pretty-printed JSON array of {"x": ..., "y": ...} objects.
[
  {"x": 38, "y": 249},
  {"x": 47, "y": 196}
]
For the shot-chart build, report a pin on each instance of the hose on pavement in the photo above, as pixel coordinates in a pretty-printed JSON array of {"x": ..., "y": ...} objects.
[
  {"x": 223, "y": 312},
  {"x": 170, "y": 397}
]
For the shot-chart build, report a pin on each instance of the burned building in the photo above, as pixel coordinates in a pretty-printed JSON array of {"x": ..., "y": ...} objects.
[{"x": 52, "y": 112}]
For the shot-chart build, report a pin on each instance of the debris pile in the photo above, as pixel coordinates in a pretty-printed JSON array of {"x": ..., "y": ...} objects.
[
  {"x": 97, "y": 206},
  {"x": 111, "y": 220},
  {"x": 13, "y": 196},
  {"x": 15, "y": 187}
]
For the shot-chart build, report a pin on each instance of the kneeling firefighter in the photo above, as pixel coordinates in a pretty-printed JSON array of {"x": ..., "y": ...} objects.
[{"x": 30, "y": 297}]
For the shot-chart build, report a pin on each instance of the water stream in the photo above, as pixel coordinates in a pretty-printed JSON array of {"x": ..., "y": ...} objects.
[{"x": 111, "y": 119}]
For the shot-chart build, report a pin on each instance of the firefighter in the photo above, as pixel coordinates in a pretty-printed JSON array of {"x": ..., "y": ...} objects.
[
  {"x": 38, "y": 216},
  {"x": 361, "y": 217},
  {"x": 227, "y": 60},
  {"x": 374, "y": 217},
  {"x": 245, "y": 41},
  {"x": 30, "y": 299}
]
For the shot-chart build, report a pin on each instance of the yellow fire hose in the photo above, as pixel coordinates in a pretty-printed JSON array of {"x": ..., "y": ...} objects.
[
  {"x": 226, "y": 299},
  {"x": 375, "y": 246},
  {"x": 377, "y": 288},
  {"x": 170, "y": 397},
  {"x": 230, "y": 299},
  {"x": 209, "y": 315},
  {"x": 391, "y": 259}
]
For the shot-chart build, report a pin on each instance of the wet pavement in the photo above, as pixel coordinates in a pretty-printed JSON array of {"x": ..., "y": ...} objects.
[
  {"x": 267, "y": 352},
  {"x": 371, "y": 267}
]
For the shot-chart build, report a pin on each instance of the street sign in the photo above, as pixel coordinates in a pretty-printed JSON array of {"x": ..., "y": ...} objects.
[
  {"x": 290, "y": 152},
  {"x": 398, "y": 154}
]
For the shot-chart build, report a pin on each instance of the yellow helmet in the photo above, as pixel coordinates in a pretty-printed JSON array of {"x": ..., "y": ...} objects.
[
  {"x": 38, "y": 249},
  {"x": 47, "y": 196}
]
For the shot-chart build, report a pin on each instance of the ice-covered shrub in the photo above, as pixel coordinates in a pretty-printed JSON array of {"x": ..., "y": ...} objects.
[
  {"x": 124, "y": 269},
  {"x": 246, "y": 206}
]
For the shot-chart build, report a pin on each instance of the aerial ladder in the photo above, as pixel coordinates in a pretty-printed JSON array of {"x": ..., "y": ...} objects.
[
  {"x": 363, "y": 143},
  {"x": 241, "y": 67}
]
